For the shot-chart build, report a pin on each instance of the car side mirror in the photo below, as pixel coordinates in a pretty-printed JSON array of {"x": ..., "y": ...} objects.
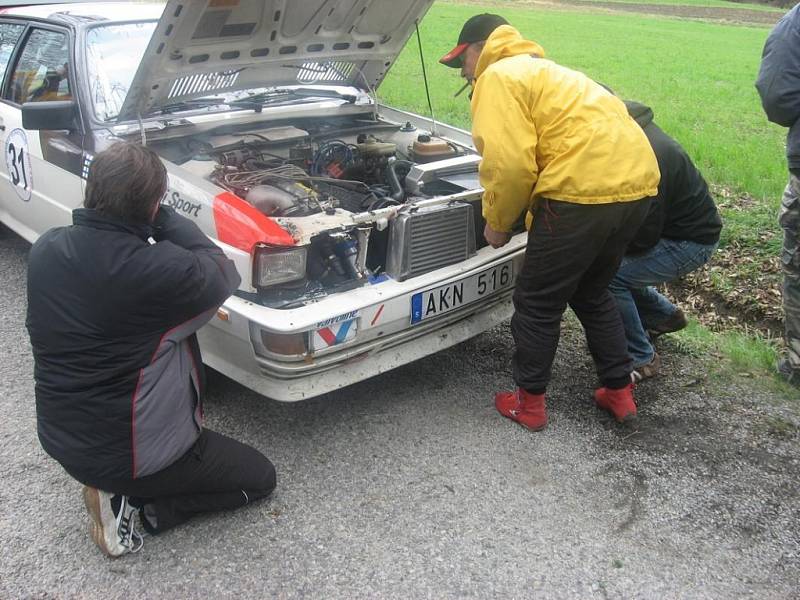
[{"x": 57, "y": 114}]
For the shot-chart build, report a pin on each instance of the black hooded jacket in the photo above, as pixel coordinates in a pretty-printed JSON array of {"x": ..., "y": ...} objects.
[
  {"x": 683, "y": 208},
  {"x": 112, "y": 313},
  {"x": 778, "y": 82}
]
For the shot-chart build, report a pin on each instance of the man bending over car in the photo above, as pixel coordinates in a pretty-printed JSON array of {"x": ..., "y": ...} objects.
[
  {"x": 114, "y": 301},
  {"x": 558, "y": 145}
]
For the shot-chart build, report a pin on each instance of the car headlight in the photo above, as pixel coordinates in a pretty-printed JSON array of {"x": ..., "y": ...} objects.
[
  {"x": 279, "y": 346},
  {"x": 278, "y": 265}
]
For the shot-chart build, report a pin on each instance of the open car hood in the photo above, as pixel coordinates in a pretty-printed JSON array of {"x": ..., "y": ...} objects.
[{"x": 208, "y": 47}]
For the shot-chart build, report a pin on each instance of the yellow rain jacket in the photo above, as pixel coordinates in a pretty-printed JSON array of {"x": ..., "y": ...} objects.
[{"x": 547, "y": 131}]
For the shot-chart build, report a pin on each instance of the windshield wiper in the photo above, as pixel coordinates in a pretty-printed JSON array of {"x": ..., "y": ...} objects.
[
  {"x": 278, "y": 95},
  {"x": 325, "y": 93},
  {"x": 257, "y": 101},
  {"x": 190, "y": 105}
]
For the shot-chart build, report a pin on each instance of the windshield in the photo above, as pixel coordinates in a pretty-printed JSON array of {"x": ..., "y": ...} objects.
[{"x": 113, "y": 54}]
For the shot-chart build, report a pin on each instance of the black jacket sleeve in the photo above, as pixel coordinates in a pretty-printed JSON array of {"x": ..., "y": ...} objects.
[
  {"x": 197, "y": 275},
  {"x": 649, "y": 231},
  {"x": 778, "y": 81}
]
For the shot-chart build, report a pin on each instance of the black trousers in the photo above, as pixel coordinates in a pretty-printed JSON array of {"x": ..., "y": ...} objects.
[
  {"x": 573, "y": 252},
  {"x": 217, "y": 473}
]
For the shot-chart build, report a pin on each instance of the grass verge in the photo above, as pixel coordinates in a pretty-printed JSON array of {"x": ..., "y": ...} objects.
[
  {"x": 698, "y": 3},
  {"x": 739, "y": 354}
]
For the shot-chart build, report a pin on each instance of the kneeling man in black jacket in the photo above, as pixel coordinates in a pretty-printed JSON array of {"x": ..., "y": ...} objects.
[{"x": 114, "y": 301}]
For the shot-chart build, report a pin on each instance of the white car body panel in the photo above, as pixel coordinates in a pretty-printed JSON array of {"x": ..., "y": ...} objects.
[{"x": 342, "y": 327}]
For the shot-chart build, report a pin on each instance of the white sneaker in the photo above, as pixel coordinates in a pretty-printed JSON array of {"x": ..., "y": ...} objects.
[
  {"x": 126, "y": 526},
  {"x": 113, "y": 531}
]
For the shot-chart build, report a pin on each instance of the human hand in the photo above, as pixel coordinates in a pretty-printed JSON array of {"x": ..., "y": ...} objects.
[
  {"x": 162, "y": 214},
  {"x": 496, "y": 239}
]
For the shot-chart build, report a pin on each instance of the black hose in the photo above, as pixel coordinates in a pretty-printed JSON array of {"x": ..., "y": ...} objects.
[{"x": 398, "y": 193}]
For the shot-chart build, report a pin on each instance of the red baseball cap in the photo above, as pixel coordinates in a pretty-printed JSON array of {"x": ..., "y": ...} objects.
[{"x": 477, "y": 29}]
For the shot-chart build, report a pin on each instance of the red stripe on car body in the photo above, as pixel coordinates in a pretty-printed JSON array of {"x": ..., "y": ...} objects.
[
  {"x": 327, "y": 335},
  {"x": 242, "y": 226}
]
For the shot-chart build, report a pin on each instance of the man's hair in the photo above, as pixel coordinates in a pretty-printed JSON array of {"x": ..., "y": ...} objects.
[{"x": 126, "y": 181}]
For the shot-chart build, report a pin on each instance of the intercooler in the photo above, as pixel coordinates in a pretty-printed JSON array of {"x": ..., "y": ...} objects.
[{"x": 428, "y": 238}]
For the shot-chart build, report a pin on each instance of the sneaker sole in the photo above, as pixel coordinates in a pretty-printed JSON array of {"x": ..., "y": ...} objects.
[
  {"x": 629, "y": 419},
  {"x": 540, "y": 428},
  {"x": 91, "y": 498},
  {"x": 655, "y": 334},
  {"x": 521, "y": 424}
]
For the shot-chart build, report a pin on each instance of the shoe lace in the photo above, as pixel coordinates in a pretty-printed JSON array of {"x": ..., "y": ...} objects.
[{"x": 126, "y": 528}]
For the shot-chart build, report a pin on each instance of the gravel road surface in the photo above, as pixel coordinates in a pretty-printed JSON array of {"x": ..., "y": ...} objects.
[{"x": 410, "y": 485}]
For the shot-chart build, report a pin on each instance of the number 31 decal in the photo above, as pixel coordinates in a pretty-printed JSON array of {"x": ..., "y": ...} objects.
[{"x": 18, "y": 163}]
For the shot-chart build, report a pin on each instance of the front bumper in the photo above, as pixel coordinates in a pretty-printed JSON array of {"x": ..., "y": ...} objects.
[{"x": 380, "y": 347}]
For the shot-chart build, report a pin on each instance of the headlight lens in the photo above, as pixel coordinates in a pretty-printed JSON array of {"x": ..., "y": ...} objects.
[{"x": 279, "y": 265}]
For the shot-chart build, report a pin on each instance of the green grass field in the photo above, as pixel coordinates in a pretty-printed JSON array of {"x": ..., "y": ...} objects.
[
  {"x": 697, "y": 76},
  {"x": 712, "y": 3}
]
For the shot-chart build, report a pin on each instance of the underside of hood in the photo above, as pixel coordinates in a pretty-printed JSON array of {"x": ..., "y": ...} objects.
[{"x": 207, "y": 47}]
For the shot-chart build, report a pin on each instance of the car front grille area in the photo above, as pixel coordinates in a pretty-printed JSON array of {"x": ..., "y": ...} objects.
[{"x": 430, "y": 238}]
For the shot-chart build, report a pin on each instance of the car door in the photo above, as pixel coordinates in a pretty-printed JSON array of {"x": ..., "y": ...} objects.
[
  {"x": 10, "y": 34},
  {"x": 40, "y": 173}
]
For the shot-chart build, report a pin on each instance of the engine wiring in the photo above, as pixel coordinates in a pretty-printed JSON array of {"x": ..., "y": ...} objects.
[
  {"x": 333, "y": 158},
  {"x": 237, "y": 180},
  {"x": 361, "y": 177}
]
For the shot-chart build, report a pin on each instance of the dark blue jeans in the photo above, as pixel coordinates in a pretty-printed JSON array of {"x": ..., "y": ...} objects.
[{"x": 640, "y": 304}]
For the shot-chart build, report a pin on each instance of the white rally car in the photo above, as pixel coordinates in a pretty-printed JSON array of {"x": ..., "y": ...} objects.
[{"x": 356, "y": 230}]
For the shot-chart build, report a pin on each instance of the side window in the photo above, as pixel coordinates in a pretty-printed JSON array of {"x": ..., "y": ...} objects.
[
  {"x": 9, "y": 34},
  {"x": 42, "y": 71}
]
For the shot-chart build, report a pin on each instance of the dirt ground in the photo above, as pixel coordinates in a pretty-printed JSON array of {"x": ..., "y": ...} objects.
[
  {"x": 741, "y": 16},
  {"x": 410, "y": 485}
]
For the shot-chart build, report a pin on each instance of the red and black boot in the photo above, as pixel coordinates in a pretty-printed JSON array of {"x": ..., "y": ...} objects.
[
  {"x": 619, "y": 403},
  {"x": 523, "y": 407}
]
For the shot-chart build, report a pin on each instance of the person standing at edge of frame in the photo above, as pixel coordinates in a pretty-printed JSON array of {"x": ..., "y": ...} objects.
[
  {"x": 779, "y": 87},
  {"x": 114, "y": 301},
  {"x": 559, "y": 145}
]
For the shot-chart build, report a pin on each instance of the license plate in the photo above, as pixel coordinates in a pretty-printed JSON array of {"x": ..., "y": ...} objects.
[{"x": 445, "y": 298}]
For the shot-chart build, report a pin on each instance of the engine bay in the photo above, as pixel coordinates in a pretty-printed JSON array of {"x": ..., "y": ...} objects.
[{"x": 359, "y": 194}]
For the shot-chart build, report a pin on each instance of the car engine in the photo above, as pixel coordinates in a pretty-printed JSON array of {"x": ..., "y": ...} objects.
[{"x": 344, "y": 189}]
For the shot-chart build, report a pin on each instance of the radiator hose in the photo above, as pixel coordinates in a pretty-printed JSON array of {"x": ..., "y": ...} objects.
[{"x": 398, "y": 193}]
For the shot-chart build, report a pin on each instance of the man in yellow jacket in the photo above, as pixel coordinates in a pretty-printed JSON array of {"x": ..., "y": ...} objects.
[{"x": 555, "y": 143}]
